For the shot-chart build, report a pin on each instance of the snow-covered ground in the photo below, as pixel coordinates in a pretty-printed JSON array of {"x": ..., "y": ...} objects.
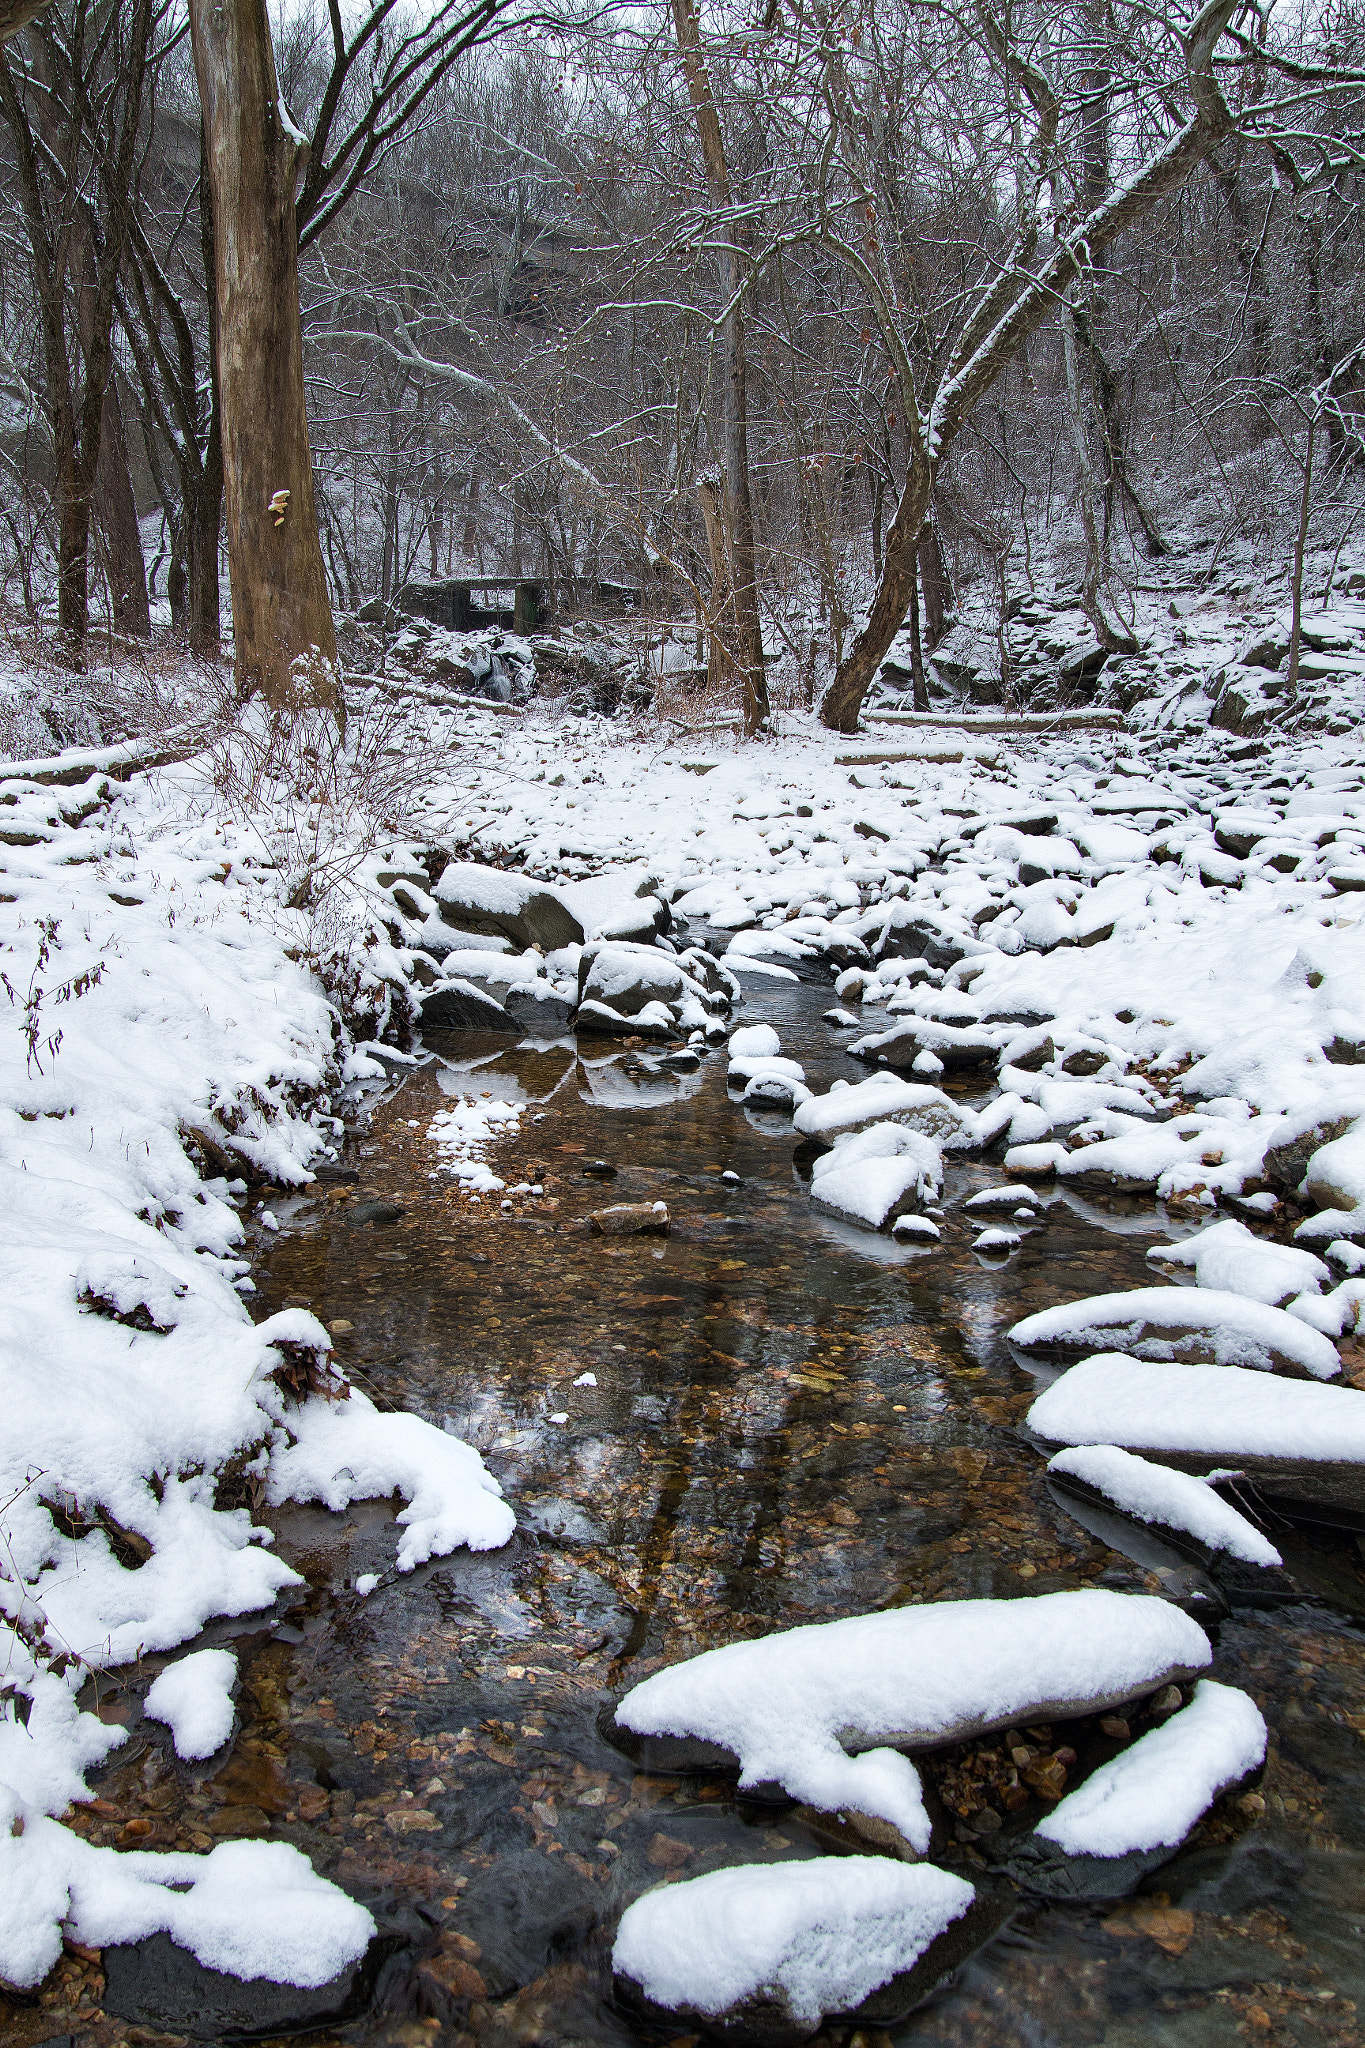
[{"x": 1150, "y": 953}]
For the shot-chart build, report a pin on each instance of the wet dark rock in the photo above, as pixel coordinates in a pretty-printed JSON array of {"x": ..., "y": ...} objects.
[
  {"x": 546, "y": 1015},
  {"x": 333, "y": 1174},
  {"x": 1041, "y": 1867},
  {"x": 599, "y": 1020},
  {"x": 377, "y": 1209},
  {"x": 155, "y": 1984},
  {"x": 682, "y": 1062},
  {"x": 524, "y": 1912},
  {"x": 459, "y": 1007},
  {"x": 769, "y": 2022}
]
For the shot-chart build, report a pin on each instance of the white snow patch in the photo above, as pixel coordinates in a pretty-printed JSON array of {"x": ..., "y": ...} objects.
[
  {"x": 346, "y": 1450},
  {"x": 1176, "y": 1322},
  {"x": 786, "y": 1704},
  {"x": 1218, "y": 1411},
  {"x": 194, "y": 1698},
  {"x": 823, "y": 1934},
  {"x": 1151, "y": 1795},
  {"x": 1154, "y": 1493}
]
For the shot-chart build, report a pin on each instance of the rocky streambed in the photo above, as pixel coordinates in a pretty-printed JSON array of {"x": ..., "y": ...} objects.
[{"x": 764, "y": 1417}]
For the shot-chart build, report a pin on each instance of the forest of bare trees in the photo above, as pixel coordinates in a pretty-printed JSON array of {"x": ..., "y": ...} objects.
[{"x": 792, "y": 325}]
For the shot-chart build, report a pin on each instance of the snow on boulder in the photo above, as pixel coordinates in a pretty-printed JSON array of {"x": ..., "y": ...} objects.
[
  {"x": 787, "y": 1945},
  {"x": 754, "y": 1042},
  {"x": 1151, "y": 1795},
  {"x": 956, "y": 1049},
  {"x": 1298, "y": 1441},
  {"x": 346, "y": 1450},
  {"x": 1155, "y": 1494},
  {"x": 873, "y": 1176},
  {"x": 479, "y": 899},
  {"x": 912, "y": 1103},
  {"x": 824, "y": 1710},
  {"x": 1198, "y": 1325},
  {"x": 194, "y": 1698},
  {"x": 1335, "y": 1174},
  {"x": 252, "y": 1909},
  {"x": 627, "y": 979},
  {"x": 456, "y": 1005},
  {"x": 1232, "y": 1258}
]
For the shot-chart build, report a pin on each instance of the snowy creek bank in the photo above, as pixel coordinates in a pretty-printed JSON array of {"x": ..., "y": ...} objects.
[
  {"x": 714, "y": 1320},
  {"x": 769, "y": 1416}
]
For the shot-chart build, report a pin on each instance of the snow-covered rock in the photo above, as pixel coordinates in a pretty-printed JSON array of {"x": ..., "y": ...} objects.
[
  {"x": 825, "y": 1710},
  {"x": 875, "y": 1175},
  {"x": 1201, "y": 1325},
  {"x": 1171, "y": 1500},
  {"x": 194, "y": 1698},
  {"x": 784, "y": 1946}
]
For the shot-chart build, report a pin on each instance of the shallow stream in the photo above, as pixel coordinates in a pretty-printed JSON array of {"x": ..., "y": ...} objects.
[{"x": 790, "y": 1421}]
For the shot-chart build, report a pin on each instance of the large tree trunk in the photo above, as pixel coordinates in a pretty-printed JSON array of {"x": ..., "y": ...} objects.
[
  {"x": 284, "y": 639},
  {"x": 734, "y": 267},
  {"x": 843, "y": 700},
  {"x": 205, "y": 525},
  {"x": 116, "y": 513}
]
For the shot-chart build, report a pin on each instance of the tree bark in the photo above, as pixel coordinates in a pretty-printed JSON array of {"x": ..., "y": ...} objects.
[
  {"x": 734, "y": 270},
  {"x": 116, "y": 515},
  {"x": 935, "y": 582},
  {"x": 205, "y": 524},
  {"x": 284, "y": 639}
]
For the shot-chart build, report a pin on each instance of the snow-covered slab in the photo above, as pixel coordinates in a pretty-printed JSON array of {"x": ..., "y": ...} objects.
[
  {"x": 1008, "y": 1197},
  {"x": 194, "y": 1698},
  {"x": 870, "y": 1175},
  {"x": 1198, "y": 1325},
  {"x": 1298, "y": 1441},
  {"x": 791, "y": 1707},
  {"x": 1151, "y": 1795},
  {"x": 1232, "y": 1258},
  {"x": 811, "y": 1939},
  {"x": 1173, "y": 1500},
  {"x": 252, "y": 1909},
  {"x": 915, "y": 1104},
  {"x": 475, "y": 898},
  {"x": 346, "y": 1450}
]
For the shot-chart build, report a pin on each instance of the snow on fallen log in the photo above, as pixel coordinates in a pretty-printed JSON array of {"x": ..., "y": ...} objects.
[
  {"x": 791, "y": 1707},
  {"x": 813, "y": 1938},
  {"x": 1201, "y": 1325},
  {"x": 1172, "y": 1500},
  {"x": 1151, "y": 1795}
]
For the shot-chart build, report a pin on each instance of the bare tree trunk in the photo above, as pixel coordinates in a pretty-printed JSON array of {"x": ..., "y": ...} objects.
[
  {"x": 917, "y": 652},
  {"x": 720, "y": 661},
  {"x": 206, "y": 597},
  {"x": 1008, "y": 308},
  {"x": 935, "y": 582},
  {"x": 734, "y": 270},
  {"x": 284, "y": 639},
  {"x": 116, "y": 513}
]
